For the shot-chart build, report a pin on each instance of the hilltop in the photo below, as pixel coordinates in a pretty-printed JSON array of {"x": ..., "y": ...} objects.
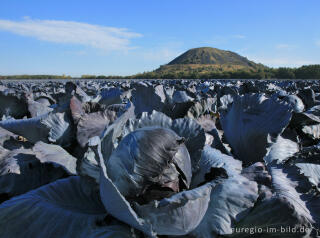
[{"x": 212, "y": 56}]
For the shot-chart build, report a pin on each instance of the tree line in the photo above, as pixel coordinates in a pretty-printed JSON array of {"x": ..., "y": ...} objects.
[
  {"x": 304, "y": 72},
  {"x": 205, "y": 72}
]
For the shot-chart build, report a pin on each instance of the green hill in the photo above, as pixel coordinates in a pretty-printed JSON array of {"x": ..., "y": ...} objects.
[
  {"x": 214, "y": 56},
  {"x": 207, "y": 62}
]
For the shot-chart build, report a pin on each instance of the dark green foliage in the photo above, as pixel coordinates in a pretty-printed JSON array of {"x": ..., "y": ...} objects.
[
  {"x": 308, "y": 72},
  {"x": 284, "y": 73},
  {"x": 207, "y": 72},
  {"x": 230, "y": 72},
  {"x": 203, "y": 72}
]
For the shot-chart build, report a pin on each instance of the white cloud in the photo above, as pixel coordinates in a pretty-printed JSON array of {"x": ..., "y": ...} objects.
[{"x": 70, "y": 32}]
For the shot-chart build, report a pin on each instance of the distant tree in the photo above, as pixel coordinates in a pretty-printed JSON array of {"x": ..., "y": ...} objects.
[
  {"x": 101, "y": 77},
  {"x": 308, "y": 72},
  {"x": 285, "y": 73},
  {"x": 88, "y": 76}
]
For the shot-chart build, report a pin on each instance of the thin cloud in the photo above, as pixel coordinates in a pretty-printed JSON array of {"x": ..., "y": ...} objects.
[
  {"x": 160, "y": 54},
  {"x": 70, "y": 32},
  {"x": 318, "y": 43},
  {"x": 239, "y": 36},
  {"x": 222, "y": 40},
  {"x": 281, "y": 61},
  {"x": 285, "y": 46}
]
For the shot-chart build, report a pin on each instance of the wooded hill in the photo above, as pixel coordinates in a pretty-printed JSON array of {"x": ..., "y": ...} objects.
[{"x": 212, "y": 63}]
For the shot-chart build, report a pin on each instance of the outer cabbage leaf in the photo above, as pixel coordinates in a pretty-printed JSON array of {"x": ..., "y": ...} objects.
[
  {"x": 294, "y": 201},
  {"x": 88, "y": 164},
  {"x": 55, "y": 154},
  {"x": 82, "y": 95},
  {"x": 194, "y": 135},
  {"x": 268, "y": 217},
  {"x": 61, "y": 128},
  {"x": 22, "y": 170},
  {"x": 230, "y": 201},
  {"x": 179, "y": 214},
  {"x": 280, "y": 150},
  {"x": 11, "y": 103},
  {"x": 32, "y": 129},
  {"x": 308, "y": 97},
  {"x": 93, "y": 124},
  {"x": 249, "y": 120},
  {"x": 293, "y": 206},
  {"x": 110, "y": 136},
  {"x": 109, "y": 96},
  {"x": 148, "y": 119},
  {"x": 10, "y": 141},
  {"x": 201, "y": 107},
  {"x": 310, "y": 154},
  {"x": 312, "y": 172},
  {"x": 213, "y": 158},
  {"x": 55, "y": 127},
  {"x": 312, "y": 131},
  {"x": 259, "y": 173},
  {"x": 207, "y": 122},
  {"x": 37, "y": 109},
  {"x": 76, "y": 109},
  {"x": 225, "y": 101},
  {"x": 147, "y": 98},
  {"x": 285, "y": 181},
  {"x": 217, "y": 141},
  {"x": 178, "y": 104},
  {"x": 295, "y": 102},
  {"x": 309, "y": 117},
  {"x": 59, "y": 209},
  {"x": 44, "y": 99}
]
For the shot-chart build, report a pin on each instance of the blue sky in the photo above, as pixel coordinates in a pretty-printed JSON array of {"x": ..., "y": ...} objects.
[{"x": 125, "y": 37}]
